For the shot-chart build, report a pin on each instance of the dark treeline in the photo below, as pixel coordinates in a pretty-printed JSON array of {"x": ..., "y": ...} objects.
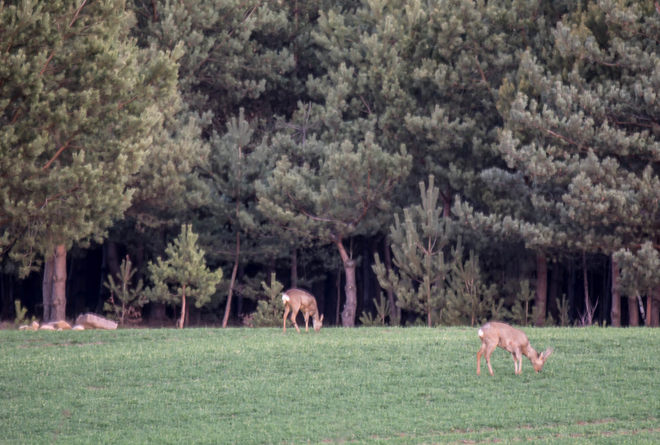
[{"x": 430, "y": 161}]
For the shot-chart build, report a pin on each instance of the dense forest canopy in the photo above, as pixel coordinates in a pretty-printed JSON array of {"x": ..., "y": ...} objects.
[{"x": 424, "y": 161}]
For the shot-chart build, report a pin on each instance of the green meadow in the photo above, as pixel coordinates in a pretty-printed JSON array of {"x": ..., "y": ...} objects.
[{"x": 363, "y": 385}]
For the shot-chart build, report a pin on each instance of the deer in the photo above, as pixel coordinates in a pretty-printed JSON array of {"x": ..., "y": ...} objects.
[
  {"x": 299, "y": 300},
  {"x": 494, "y": 334}
]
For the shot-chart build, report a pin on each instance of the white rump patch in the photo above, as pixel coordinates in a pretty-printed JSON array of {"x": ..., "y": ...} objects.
[
  {"x": 481, "y": 333},
  {"x": 285, "y": 298}
]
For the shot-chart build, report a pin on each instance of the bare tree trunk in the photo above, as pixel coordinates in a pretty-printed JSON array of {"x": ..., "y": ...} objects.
[
  {"x": 541, "y": 288},
  {"x": 47, "y": 288},
  {"x": 182, "y": 320},
  {"x": 649, "y": 307},
  {"x": 633, "y": 311},
  {"x": 58, "y": 303},
  {"x": 655, "y": 314},
  {"x": 446, "y": 203},
  {"x": 338, "y": 286},
  {"x": 350, "y": 307},
  {"x": 615, "y": 312},
  {"x": 588, "y": 314},
  {"x": 234, "y": 271}
]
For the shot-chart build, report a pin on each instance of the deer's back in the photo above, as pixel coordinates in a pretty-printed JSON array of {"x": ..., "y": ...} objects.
[
  {"x": 506, "y": 336},
  {"x": 304, "y": 299}
]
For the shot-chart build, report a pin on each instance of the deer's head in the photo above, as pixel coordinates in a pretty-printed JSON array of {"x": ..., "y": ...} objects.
[
  {"x": 540, "y": 360},
  {"x": 317, "y": 322}
]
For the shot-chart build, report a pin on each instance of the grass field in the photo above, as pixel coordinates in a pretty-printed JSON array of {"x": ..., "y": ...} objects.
[{"x": 364, "y": 385}]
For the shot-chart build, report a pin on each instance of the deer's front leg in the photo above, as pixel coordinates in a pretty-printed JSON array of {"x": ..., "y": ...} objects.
[
  {"x": 306, "y": 316},
  {"x": 517, "y": 361}
]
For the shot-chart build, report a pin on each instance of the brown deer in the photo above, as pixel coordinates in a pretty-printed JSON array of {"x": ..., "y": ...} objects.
[
  {"x": 494, "y": 334},
  {"x": 299, "y": 300}
]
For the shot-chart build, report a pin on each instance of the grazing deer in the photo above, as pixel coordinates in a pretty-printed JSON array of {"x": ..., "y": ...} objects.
[
  {"x": 494, "y": 334},
  {"x": 298, "y": 300}
]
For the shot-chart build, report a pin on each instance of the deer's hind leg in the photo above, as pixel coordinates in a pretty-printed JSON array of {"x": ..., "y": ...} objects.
[
  {"x": 294, "y": 314},
  {"x": 489, "y": 350},
  {"x": 286, "y": 312},
  {"x": 481, "y": 352}
]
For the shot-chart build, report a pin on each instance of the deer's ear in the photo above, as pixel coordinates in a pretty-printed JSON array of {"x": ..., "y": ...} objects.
[
  {"x": 321, "y": 317},
  {"x": 546, "y": 353}
]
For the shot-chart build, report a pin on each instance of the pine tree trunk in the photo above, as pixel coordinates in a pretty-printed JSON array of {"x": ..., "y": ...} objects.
[
  {"x": 655, "y": 313},
  {"x": 338, "y": 286},
  {"x": 615, "y": 312},
  {"x": 649, "y": 308},
  {"x": 588, "y": 312},
  {"x": 234, "y": 271},
  {"x": 182, "y": 320},
  {"x": 47, "y": 288},
  {"x": 350, "y": 307},
  {"x": 58, "y": 302},
  {"x": 633, "y": 311},
  {"x": 541, "y": 288}
]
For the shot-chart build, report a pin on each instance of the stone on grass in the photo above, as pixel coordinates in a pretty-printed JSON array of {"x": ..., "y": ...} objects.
[{"x": 93, "y": 321}]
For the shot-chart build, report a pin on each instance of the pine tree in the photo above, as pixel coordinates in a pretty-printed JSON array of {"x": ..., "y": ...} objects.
[
  {"x": 469, "y": 299},
  {"x": 580, "y": 135},
  {"x": 183, "y": 274},
  {"x": 418, "y": 244},
  {"x": 639, "y": 277},
  {"x": 270, "y": 311},
  {"x": 237, "y": 53},
  {"x": 426, "y": 75},
  {"x": 79, "y": 104},
  {"x": 129, "y": 299},
  {"x": 330, "y": 195},
  {"x": 232, "y": 228}
]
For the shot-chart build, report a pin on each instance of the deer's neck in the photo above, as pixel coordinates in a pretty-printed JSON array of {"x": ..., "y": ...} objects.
[{"x": 530, "y": 353}]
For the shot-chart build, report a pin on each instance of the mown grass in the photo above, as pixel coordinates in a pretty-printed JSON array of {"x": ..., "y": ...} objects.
[{"x": 366, "y": 385}]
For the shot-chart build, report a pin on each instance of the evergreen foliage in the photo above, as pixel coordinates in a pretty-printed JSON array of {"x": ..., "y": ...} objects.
[
  {"x": 183, "y": 274},
  {"x": 332, "y": 195},
  {"x": 639, "y": 275},
  {"x": 522, "y": 308},
  {"x": 129, "y": 300},
  {"x": 270, "y": 311},
  {"x": 469, "y": 299},
  {"x": 418, "y": 246},
  {"x": 382, "y": 306},
  {"x": 79, "y": 105},
  {"x": 285, "y": 129}
]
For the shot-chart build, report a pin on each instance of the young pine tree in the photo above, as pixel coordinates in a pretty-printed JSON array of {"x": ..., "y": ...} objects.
[
  {"x": 183, "y": 274},
  {"x": 417, "y": 245},
  {"x": 270, "y": 311}
]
